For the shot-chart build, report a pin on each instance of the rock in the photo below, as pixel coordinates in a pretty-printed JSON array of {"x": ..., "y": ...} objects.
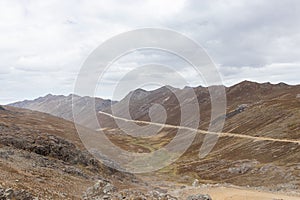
[
  {"x": 102, "y": 189},
  {"x": 23, "y": 195},
  {"x": 109, "y": 189},
  {"x": 242, "y": 168},
  {"x": 195, "y": 183},
  {"x": 75, "y": 171},
  {"x": 242, "y": 107},
  {"x": 1, "y": 108},
  {"x": 160, "y": 190},
  {"x": 199, "y": 197},
  {"x": 8, "y": 193},
  {"x": 105, "y": 190},
  {"x": 51, "y": 146}
]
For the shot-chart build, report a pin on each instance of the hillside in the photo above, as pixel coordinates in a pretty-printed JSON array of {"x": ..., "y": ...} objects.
[
  {"x": 262, "y": 118},
  {"x": 251, "y": 161},
  {"x": 42, "y": 156}
]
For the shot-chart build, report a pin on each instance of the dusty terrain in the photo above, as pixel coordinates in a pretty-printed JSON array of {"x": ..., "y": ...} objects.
[
  {"x": 221, "y": 191},
  {"x": 234, "y": 193}
]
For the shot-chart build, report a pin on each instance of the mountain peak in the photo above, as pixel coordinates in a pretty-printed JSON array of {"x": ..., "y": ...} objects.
[
  {"x": 246, "y": 83},
  {"x": 49, "y": 95}
]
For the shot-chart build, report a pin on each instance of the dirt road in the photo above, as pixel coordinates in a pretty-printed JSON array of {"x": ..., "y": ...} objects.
[
  {"x": 231, "y": 193},
  {"x": 204, "y": 132}
]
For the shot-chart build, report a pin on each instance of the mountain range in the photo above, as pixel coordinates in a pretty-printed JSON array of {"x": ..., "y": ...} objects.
[
  {"x": 252, "y": 108},
  {"x": 259, "y": 147}
]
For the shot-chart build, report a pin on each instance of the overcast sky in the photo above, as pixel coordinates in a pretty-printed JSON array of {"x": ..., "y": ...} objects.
[{"x": 44, "y": 43}]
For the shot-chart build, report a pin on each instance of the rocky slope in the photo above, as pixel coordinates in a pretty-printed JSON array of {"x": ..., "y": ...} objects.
[{"x": 42, "y": 156}]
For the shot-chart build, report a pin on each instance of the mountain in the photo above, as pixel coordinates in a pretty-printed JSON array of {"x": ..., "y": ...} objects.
[
  {"x": 259, "y": 146},
  {"x": 263, "y": 109},
  {"x": 61, "y": 106}
]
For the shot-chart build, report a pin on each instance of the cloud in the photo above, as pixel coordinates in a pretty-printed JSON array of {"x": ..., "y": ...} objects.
[
  {"x": 44, "y": 43},
  {"x": 275, "y": 72}
]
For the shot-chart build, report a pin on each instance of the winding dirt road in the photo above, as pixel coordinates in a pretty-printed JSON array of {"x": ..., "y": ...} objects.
[{"x": 255, "y": 138}]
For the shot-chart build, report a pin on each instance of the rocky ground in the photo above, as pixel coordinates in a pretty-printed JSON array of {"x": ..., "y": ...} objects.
[{"x": 42, "y": 157}]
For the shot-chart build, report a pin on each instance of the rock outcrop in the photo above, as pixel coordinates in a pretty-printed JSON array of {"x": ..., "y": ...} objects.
[{"x": 103, "y": 189}]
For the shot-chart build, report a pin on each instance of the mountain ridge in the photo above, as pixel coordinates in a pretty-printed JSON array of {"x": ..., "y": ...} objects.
[{"x": 61, "y": 106}]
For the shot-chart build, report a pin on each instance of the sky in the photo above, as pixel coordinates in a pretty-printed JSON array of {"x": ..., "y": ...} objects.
[{"x": 43, "y": 44}]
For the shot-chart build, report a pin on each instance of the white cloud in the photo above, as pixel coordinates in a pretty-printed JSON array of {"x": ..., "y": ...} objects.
[
  {"x": 274, "y": 73},
  {"x": 44, "y": 43}
]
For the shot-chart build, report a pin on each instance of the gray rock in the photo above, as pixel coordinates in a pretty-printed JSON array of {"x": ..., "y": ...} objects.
[
  {"x": 105, "y": 190},
  {"x": 199, "y": 197},
  {"x": 241, "y": 168},
  {"x": 102, "y": 189},
  {"x": 7, "y": 194}
]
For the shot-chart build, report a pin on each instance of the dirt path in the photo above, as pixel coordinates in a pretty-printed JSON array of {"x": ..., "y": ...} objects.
[
  {"x": 232, "y": 193},
  {"x": 204, "y": 132},
  {"x": 218, "y": 191}
]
